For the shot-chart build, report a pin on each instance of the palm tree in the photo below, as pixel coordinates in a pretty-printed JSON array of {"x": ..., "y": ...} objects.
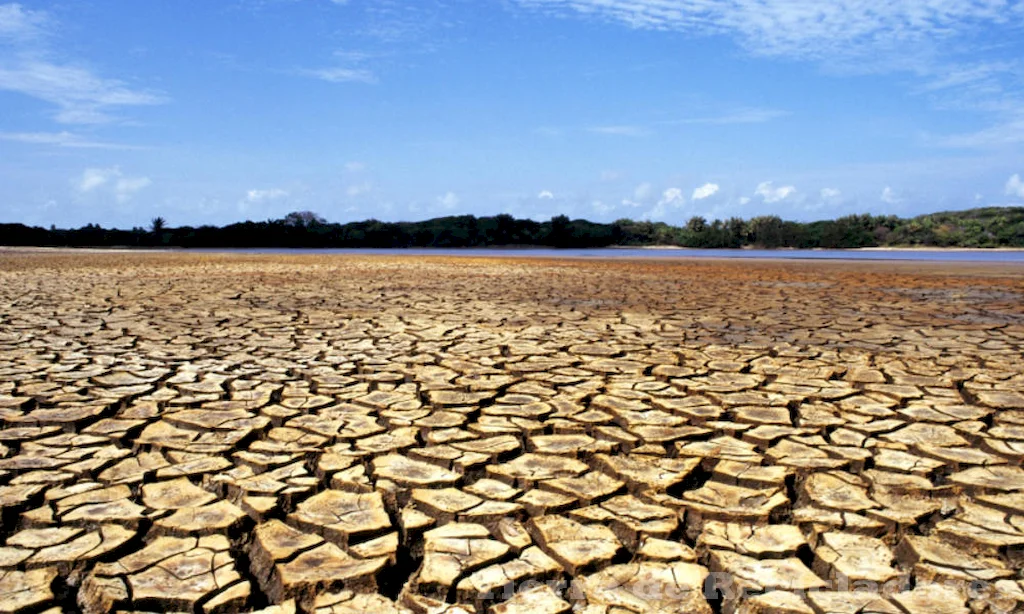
[{"x": 158, "y": 225}]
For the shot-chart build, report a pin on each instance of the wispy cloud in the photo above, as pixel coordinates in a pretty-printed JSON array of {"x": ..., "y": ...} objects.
[
  {"x": 81, "y": 96},
  {"x": 959, "y": 75},
  {"x": 29, "y": 65},
  {"x": 623, "y": 130},
  {"x": 61, "y": 139},
  {"x": 20, "y": 24},
  {"x": 798, "y": 28},
  {"x": 961, "y": 54},
  {"x": 739, "y": 116},
  {"x": 377, "y": 33},
  {"x": 1009, "y": 132},
  {"x": 348, "y": 66},
  {"x": 341, "y": 75},
  {"x": 405, "y": 23},
  {"x": 993, "y": 88}
]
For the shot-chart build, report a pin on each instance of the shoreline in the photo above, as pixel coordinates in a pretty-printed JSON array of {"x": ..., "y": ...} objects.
[
  {"x": 1013, "y": 258},
  {"x": 907, "y": 248},
  {"x": 937, "y": 249}
]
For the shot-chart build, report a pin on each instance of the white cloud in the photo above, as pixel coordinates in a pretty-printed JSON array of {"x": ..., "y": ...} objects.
[
  {"x": 259, "y": 196},
  {"x": 771, "y": 194},
  {"x": 545, "y": 195},
  {"x": 607, "y": 176},
  {"x": 673, "y": 197},
  {"x": 890, "y": 197},
  {"x": 450, "y": 200},
  {"x": 830, "y": 193},
  {"x": 743, "y": 200},
  {"x": 705, "y": 191},
  {"x": 355, "y": 167},
  {"x": 122, "y": 187},
  {"x": 1015, "y": 186},
  {"x": 341, "y": 75}
]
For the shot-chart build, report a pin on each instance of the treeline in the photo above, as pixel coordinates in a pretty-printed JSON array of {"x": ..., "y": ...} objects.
[{"x": 986, "y": 227}]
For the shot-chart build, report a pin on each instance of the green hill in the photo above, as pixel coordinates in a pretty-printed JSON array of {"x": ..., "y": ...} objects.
[{"x": 982, "y": 227}]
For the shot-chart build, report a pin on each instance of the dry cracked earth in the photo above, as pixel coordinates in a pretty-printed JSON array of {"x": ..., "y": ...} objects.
[{"x": 340, "y": 434}]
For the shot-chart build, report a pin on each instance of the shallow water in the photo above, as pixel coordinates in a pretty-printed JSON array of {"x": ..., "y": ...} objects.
[{"x": 937, "y": 255}]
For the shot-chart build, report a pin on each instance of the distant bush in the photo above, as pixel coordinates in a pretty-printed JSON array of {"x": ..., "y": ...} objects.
[{"x": 986, "y": 227}]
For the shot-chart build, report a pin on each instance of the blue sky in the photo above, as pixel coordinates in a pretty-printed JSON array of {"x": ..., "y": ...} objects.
[{"x": 213, "y": 112}]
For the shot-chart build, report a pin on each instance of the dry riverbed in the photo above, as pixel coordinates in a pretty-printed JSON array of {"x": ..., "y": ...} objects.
[{"x": 344, "y": 434}]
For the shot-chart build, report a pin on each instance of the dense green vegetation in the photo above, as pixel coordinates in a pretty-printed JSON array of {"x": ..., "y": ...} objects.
[{"x": 986, "y": 227}]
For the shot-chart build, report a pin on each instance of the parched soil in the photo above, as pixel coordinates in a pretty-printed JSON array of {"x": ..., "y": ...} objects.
[{"x": 343, "y": 434}]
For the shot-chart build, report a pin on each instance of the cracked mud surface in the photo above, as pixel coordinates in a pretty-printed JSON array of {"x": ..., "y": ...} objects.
[{"x": 335, "y": 434}]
